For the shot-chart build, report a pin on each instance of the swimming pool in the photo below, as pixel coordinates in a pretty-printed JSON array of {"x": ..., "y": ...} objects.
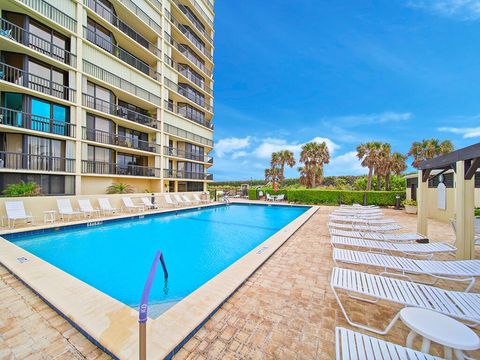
[{"x": 115, "y": 257}]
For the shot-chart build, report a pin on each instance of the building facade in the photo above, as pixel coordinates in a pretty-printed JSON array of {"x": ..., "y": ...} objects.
[{"x": 95, "y": 92}]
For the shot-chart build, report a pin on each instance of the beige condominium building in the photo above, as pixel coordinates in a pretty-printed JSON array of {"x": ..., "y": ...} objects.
[{"x": 95, "y": 92}]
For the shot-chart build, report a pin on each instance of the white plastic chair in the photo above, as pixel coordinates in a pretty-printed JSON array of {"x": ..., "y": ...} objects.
[
  {"x": 106, "y": 207},
  {"x": 16, "y": 211},
  {"x": 358, "y": 220},
  {"x": 388, "y": 247},
  {"x": 187, "y": 200},
  {"x": 169, "y": 201},
  {"x": 87, "y": 209},
  {"x": 130, "y": 206},
  {"x": 199, "y": 200},
  {"x": 373, "y": 288},
  {"x": 363, "y": 227},
  {"x": 352, "y": 345},
  {"x": 65, "y": 209},
  {"x": 148, "y": 203},
  {"x": 465, "y": 271},
  {"x": 179, "y": 200},
  {"x": 404, "y": 237},
  {"x": 269, "y": 197}
]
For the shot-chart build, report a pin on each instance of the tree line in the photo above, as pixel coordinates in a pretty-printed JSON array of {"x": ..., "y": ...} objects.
[{"x": 376, "y": 156}]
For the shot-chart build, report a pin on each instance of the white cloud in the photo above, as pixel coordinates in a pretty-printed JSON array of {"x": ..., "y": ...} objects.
[
  {"x": 467, "y": 133},
  {"x": 460, "y": 9},
  {"x": 239, "y": 154},
  {"x": 269, "y": 145},
  {"x": 230, "y": 145},
  {"x": 345, "y": 164}
]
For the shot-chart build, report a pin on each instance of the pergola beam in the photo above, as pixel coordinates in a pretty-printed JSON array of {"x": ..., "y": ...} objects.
[{"x": 472, "y": 168}]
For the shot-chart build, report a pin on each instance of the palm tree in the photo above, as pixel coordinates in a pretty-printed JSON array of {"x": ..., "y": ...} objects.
[
  {"x": 368, "y": 153},
  {"x": 314, "y": 155},
  {"x": 397, "y": 165},
  {"x": 382, "y": 164},
  {"x": 272, "y": 174},
  {"x": 282, "y": 158},
  {"x": 119, "y": 188},
  {"x": 428, "y": 149}
]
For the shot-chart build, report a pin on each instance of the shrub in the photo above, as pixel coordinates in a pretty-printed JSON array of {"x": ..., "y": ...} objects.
[
  {"x": 22, "y": 189},
  {"x": 409, "y": 202},
  {"x": 477, "y": 212},
  {"x": 336, "y": 197},
  {"x": 252, "y": 194},
  {"x": 120, "y": 188}
]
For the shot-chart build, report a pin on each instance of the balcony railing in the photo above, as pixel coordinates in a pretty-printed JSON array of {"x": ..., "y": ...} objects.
[
  {"x": 180, "y": 174},
  {"x": 188, "y": 92},
  {"x": 188, "y": 73},
  {"x": 152, "y": 24},
  {"x": 25, "y": 120},
  {"x": 189, "y": 34},
  {"x": 105, "y": 168},
  {"x": 189, "y": 113},
  {"x": 120, "y": 111},
  {"x": 194, "y": 20},
  {"x": 175, "y": 131},
  {"x": 105, "y": 13},
  {"x": 21, "y": 77},
  {"x": 52, "y": 13},
  {"x": 171, "y": 151},
  {"x": 188, "y": 53},
  {"x": 201, "y": 11},
  {"x": 21, "y": 161},
  {"x": 105, "y": 137},
  {"x": 118, "y": 52},
  {"x": 16, "y": 33}
]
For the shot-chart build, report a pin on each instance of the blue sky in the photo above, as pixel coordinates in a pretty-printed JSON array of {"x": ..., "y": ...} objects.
[{"x": 288, "y": 72}]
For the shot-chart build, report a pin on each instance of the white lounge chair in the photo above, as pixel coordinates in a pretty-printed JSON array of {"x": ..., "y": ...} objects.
[
  {"x": 87, "y": 209},
  {"x": 453, "y": 222},
  {"x": 130, "y": 206},
  {"x": 404, "y": 237},
  {"x": 179, "y": 200},
  {"x": 362, "y": 227},
  {"x": 148, "y": 203},
  {"x": 269, "y": 197},
  {"x": 359, "y": 207},
  {"x": 65, "y": 209},
  {"x": 359, "y": 216},
  {"x": 361, "y": 221},
  {"x": 372, "y": 288},
  {"x": 281, "y": 197},
  {"x": 106, "y": 207},
  {"x": 352, "y": 345},
  {"x": 199, "y": 200},
  {"x": 464, "y": 271},
  {"x": 169, "y": 201},
  {"x": 16, "y": 211},
  {"x": 187, "y": 200},
  {"x": 426, "y": 250}
]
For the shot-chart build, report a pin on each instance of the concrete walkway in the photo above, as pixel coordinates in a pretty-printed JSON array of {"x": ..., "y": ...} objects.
[{"x": 286, "y": 310}]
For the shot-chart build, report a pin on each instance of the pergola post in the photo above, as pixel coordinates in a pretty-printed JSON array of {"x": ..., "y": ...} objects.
[
  {"x": 422, "y": 204},
  {"x": 464, "y": 209}
]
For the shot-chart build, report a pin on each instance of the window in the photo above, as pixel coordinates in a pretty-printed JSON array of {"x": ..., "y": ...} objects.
[
  {"x": 132, "y": 138},
  {"x": 49, "y": 117},
  {"x": 47, "y": 79},
  {"x": 14, "y": 102},
  {"x": 101, "y": 98},
  {"x": 50, "y": 184},
  {"x": 194, "y": 186},
  {"x": 128, "y": 164},
  {"x": 100, "y": 36},
  {"x": 100, "y": 129},
  {"x": 194, "y": 152}
]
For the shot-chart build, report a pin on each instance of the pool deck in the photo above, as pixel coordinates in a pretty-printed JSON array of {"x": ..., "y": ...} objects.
[{"x": 285, "y": 310}]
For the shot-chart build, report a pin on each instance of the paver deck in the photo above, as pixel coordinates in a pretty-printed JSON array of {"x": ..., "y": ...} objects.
[{"x": 286, "y": 310}]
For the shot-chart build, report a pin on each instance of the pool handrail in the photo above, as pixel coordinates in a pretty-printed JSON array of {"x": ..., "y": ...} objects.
[{"x": 143, "y": 309}]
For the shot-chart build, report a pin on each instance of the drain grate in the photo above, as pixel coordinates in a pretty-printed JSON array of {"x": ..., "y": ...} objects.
[{"x": 22, "y": 260}]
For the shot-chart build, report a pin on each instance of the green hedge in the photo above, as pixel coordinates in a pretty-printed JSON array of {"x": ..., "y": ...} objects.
[
  {"x": 336, "y": 197},
  {"x": 252, "y": 193}
]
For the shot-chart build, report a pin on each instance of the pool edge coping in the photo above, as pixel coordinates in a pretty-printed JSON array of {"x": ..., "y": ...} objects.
[{"x": 112, "y": 325}]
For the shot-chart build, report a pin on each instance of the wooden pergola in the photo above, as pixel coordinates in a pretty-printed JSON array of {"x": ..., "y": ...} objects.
[{"x": 464, "y": 162}]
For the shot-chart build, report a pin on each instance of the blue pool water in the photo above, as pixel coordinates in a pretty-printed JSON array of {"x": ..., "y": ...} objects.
[{"x": 197, "y": 245}]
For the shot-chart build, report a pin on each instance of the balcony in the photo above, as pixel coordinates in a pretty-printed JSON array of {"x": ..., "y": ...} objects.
[
  {"x": 188, "y": 92},
  {"x": 188, "y": 53},
  {"x": 28, "y": 121},
  {"x": 21, "y": 36},
  {"x": 187, "y": 72},
  {"x": 189, "y": 113},
  {"x": 121, "y": 54},
  {"x": 118, "y": 140},
  {"x": 107, "y": 15},
  {"x": 184, "y": 134},
  {"x": 120, "y": 111},
  {"x": 51, "y": 12},
  {"x": 21, "y": 77},
  {"x": 189, "y": 34},
  {"x": 105, "y": 168},
  {"x": 180, "y": 174},
  {"x": 194, "y": 20},
  {"x": 171, "y": 151},
  {"x": 22, "y": 161},
  {"x": 200, "y": 10}
]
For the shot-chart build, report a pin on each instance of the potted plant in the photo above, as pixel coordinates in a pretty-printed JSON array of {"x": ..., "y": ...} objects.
[{"x": 410, "y": 206}]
